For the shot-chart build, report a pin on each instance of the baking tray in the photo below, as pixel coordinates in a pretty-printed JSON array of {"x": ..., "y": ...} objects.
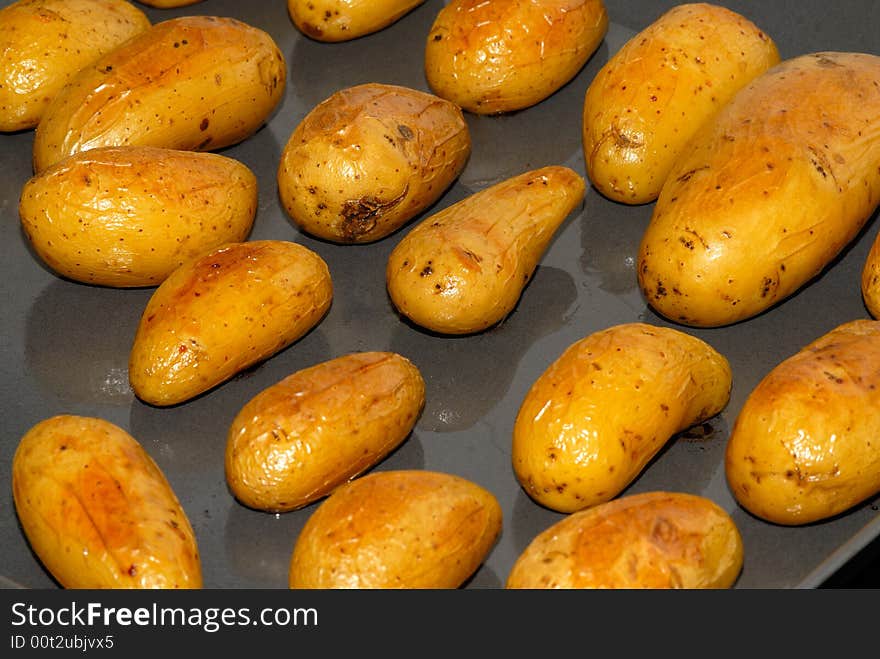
[{"x": 65, "y": 345}]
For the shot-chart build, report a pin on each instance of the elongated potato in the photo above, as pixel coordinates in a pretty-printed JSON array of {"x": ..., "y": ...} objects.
[
  {"x": 222, "y": 312},
  {"x": 397, "y": 529},
  {"x": 97, "y": 511},
  {"x": 655, "y": 92},
  {"x": 495, "y": 56},
  {"x": 128, "y": 216},
  {"x": 593, "y": 420},
  {"x": 871, "y": 280},
  {"x": 195, "y": 83},
  {"x": 370, "y": 158},
  {"x": 647, "y": 541},
  {"x": 343, "y": 20},
  {"x": 464, "y": 268},
  {"x": 767, "y": 193},
  {"x": 298, "y": 440},
  {"x": 805, "y": 446},
  {"x": 46, "y": 42}
]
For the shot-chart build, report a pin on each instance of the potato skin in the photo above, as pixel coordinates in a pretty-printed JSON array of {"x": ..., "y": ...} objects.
[
  {"x": 593, "y": 420},
  {"x": 344, "y": 20},
  {"x": 871, "y": 280},
  {"x": 195, "y": 83},
  {"x": 804, "y": 445},
  {"x": 767, "y": 193},
  {"x": 98, "y": 511},
  {"x": 653, "y": 540},
  {"x": 368, "y": 159},
  {"x": 659, "y": 88},
  {"x": 320, "y": 427},
  {"x": 46, "y": 42},
  {"x": 397, "y": 529},
  {"x": 496, "y": 56},
  {"x": 222, "y": 312},
  {"x": 128, "y": 216},
  {"x": 464, "y": 268}
]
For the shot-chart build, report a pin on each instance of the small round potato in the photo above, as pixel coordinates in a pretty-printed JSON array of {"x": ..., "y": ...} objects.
[
  {"x": 871, "y": 280},
  {"x": 343, "y": 20}
]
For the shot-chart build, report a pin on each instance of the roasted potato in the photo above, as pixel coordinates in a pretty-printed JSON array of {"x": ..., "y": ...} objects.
[
  {"x": 871, "y": 280},
  {"x": 368, "y": 159},
  {"x": 463, "y": 269},
  {"x": 222, "y": 312},
  {"x": 343, "y": 20},
  {"x": 196, "y": 83},
  {"x": 128, "y": 216},
  {"x": 298, "y": 440},
  {"x": 97, "y": 511},
  {"x": 767, "y": 193},
  {"x": 397, "y": 529},
  {"x": 496, "y": 56},
  {"x": 655, "y": 92},
  {"x": 650, "y": 540},
  {"x": 593, "y": 420},
  {"x": 805, "y": 446}
]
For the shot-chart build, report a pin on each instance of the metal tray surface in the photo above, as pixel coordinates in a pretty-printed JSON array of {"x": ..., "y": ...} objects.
[{"x": 64, "y": 345}]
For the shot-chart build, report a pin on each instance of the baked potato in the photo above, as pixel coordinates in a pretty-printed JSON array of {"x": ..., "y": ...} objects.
[
  {"x": 343, "y": 20},
  {"x": 871, "y": 280}
]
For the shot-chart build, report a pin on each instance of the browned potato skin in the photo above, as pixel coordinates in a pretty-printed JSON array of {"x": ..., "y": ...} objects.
[
  {"x": 653, "y": 540},
  {"x": 128, "y": 216},
  {"x": 496, "y": 56},
  {"x": 194, "y": 83},
  {"x": 592, "y": 421},
  {"x": 655, "y": 92},
  {"x": 871, "y": 280},
  {"x": 46, "y": 42},
  {"x": 397, "y": 529},
  {"x": 804, "y": 446},
  {"x": 767, "y": 193},
  {"x": 463, "y": 269},
  {"x": 97, "y": 510},
  {"x": 222, "y": 312},
  {"x": 298, "y": 440},
  {"x": 370, "y": 158},
  {"x": 343, "y": 20}
]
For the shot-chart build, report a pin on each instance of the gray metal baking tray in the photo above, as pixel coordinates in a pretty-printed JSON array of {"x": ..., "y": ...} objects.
[{"x": 64, "y": 345}]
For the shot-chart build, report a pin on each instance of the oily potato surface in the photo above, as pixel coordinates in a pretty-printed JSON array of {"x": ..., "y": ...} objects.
[
  {"x": 98, "y": 511},
  {"x": 397, "y": 529},
  {"x": 368, "y": 159},
  {"x": 343, "y": 20},
  {"x": 871, "y": 280},
  {"x": 128, "y": 216},
  {"x": 805, "y": 446},
  {"x": 589, "y": 424}
]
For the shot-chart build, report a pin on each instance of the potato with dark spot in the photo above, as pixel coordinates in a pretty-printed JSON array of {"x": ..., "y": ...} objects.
[
  {"x": 806, "y": 444},
  {"x": 871, "y": 280},
  {"x": 370, "y": 158},
  {"x": 344, "y": 20}
]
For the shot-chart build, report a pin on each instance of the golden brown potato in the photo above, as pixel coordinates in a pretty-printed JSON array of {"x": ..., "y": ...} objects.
[
  {"x": 655, "y": 92},
  {"x": 195, "y": 83},
  {"x": 767, "y": 193},
  {"x": 805, "y": 446},
  {"x": 343, "y": 20},
  {"x": 298, "y": 440},
  {"x": 871, "y": 280},
  {"x": 651, "y": 540},
  {"x": 397, "y": 529},
  {"x": 464, "y": 268},
  {"x": 222, "y": 312},
  {"x": 97, "y": 511},
  {"x": 370, "y": 158},
  {"x": 46, "y": 42},
  {"x": 128, "y": 216},
  {"x": 593, "y": 420},
  {"x": 495, "y": 56}
]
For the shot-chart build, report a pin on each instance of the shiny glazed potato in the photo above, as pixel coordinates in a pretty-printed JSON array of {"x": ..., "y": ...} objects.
[
  {"x": 463, "y": 269},
  {"x": 655, "y": 92},
  {"x": 495, "y": 56},
  {"x": 593, "y": 420},
  {"x": 46, "y": 42},
  {"x": 97, "y": 511},
  {"x": 397, "y": 529},
  {"x": 871, "y": 280},
  {"x": 296, "y": 441},
  {"x": 343, "y": 20},
  {"x": 651, "y": 540},
  {"x": 767, "y": 193},
  {"x": 223, "y": 312},
  {"x": 804, "y": 445},
  {"x": 196, "y": 83},
  {"x": 370, "y": 158},
  {"x": 128, "y": 216}
]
